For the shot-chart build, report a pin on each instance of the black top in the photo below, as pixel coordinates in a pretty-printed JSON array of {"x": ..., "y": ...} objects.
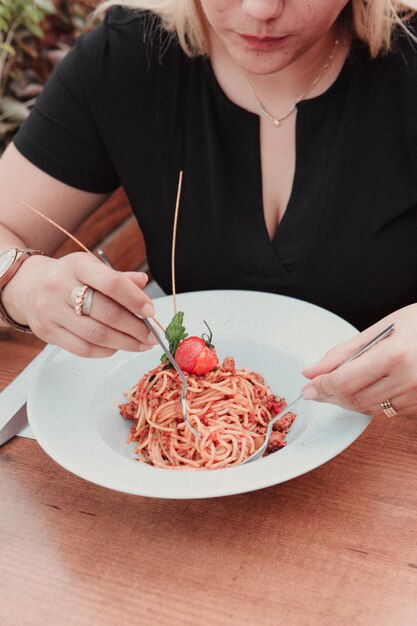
[{"x": 122, "y": 109}]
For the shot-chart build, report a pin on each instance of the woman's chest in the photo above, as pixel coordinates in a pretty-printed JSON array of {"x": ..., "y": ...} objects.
[{"x": 278, "y": 162}]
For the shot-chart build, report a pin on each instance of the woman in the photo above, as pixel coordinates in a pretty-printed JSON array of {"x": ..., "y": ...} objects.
[{"x": 296, "y": 130}]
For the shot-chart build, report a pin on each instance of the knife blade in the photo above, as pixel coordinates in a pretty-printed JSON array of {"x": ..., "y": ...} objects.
[{"x": 14, "y": 425}]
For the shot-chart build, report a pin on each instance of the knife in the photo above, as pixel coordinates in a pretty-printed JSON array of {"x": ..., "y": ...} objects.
[{"x": 14, "y": 425}]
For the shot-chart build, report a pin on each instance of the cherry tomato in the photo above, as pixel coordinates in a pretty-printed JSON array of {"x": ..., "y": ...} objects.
[{"x": 194, "y": 356}]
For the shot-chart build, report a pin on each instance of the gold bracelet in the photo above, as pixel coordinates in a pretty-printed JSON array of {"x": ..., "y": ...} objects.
[{"x": 10, "y": 322}]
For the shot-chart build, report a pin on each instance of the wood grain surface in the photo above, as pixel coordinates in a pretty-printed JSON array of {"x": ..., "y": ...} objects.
[{"x": 336, "y": 546}]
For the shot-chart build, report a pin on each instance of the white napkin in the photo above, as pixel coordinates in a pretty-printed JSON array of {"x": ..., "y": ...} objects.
[{"x": 16, "y": 394}]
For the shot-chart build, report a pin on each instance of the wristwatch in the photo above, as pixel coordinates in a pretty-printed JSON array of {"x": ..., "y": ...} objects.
[{"x": 10, "y": 261}]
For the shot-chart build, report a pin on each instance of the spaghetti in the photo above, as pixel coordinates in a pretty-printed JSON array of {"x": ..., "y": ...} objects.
[{"x": 229, "y": 407}]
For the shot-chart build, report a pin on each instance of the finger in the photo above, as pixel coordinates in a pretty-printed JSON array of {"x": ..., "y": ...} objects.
[
  {"x": 404, "y": 404},
  {"x": 140, "y": 279},
  {"x": 96, "y": 333},
  {"x": 115, "y": 285},
  {"x": 73, "y": 343},
  {"x": 340, "y": 353},
  {"x": 343, "y": 403},
  {"x": 348, "y": 380},
  {"x": 334, "y": 357},
  {"x": 112, "y": 315},
  {"x": 381, "y": 390}
]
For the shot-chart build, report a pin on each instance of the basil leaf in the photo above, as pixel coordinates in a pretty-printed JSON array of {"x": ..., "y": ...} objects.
[{"x": 174, "y": 333}]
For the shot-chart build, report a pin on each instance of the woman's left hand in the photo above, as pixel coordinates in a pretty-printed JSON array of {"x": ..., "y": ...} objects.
[{"x": 388, "y": 371}]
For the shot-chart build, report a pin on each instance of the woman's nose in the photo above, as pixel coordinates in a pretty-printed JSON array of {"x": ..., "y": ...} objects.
[{"x": 263, "y": 9}]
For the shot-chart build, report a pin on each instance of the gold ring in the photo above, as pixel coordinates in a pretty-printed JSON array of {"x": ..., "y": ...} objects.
[
  {"x": 81, "y": 298},
  {"x": 388, "y": 409}
]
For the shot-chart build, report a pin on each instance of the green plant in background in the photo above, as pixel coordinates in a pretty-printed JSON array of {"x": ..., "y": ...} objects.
[
  {"x": 17, "y": 17},
  {"x": 34, "y": 36}
]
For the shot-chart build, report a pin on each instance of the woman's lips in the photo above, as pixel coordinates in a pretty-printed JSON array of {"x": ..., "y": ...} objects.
[{"x": 262, "y": 43}]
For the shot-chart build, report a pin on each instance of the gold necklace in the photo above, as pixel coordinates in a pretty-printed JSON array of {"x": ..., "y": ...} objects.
[{"x": 277, "y": 120}]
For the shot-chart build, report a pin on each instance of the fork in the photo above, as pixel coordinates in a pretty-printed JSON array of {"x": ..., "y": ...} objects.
[
  {"x": 171, "y": 359},
  {"x": 257, "y": 455}
]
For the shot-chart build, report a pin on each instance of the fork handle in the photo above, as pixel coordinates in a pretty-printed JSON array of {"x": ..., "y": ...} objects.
[{"x": 368, "y": 345}]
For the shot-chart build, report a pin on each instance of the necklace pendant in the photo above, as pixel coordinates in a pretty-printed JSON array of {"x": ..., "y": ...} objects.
[{"x": 276, "y": 121}]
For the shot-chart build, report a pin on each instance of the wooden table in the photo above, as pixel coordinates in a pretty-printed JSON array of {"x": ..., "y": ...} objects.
[{"x": 336, "y": 546}]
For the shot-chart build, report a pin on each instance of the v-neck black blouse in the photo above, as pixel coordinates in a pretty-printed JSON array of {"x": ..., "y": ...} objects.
[{"x": 125, "y": 108}]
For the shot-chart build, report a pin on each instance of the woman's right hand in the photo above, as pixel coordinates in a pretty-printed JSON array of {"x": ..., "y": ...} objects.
[{"x": 40, "y": 295}]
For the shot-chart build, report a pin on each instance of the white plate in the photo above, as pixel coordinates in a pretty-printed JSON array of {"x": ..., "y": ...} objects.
[{"x": 73, "y": 402}]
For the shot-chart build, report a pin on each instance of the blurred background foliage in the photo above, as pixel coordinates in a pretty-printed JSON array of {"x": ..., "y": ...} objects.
[{"x": 34, "y": 36}]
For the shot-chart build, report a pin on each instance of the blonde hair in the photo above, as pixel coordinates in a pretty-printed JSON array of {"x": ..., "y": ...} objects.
[{"x": 372, "y": 21}]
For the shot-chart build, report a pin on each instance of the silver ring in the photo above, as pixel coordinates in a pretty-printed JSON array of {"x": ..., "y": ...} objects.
[
  {"x": 81, "y": 298},
  {"x": 88, "y": 301},
  {"x": 388, "y": 409}
]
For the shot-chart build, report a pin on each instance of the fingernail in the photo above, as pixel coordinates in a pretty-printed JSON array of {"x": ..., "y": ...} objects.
[
  {"x": 151, "y": 340},
  {"x": 310, "y": 393},
  {"x": 148, "y": 310},
  {"x": 144, "y": 347}
]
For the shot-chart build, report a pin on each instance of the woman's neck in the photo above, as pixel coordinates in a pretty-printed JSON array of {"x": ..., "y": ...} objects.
[{"x": 306, "y": 77}]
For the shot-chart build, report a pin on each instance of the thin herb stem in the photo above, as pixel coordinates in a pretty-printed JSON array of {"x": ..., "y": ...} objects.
[
  {"x": 48, "y": 219},
  {"x": 174, "y": 242}
]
